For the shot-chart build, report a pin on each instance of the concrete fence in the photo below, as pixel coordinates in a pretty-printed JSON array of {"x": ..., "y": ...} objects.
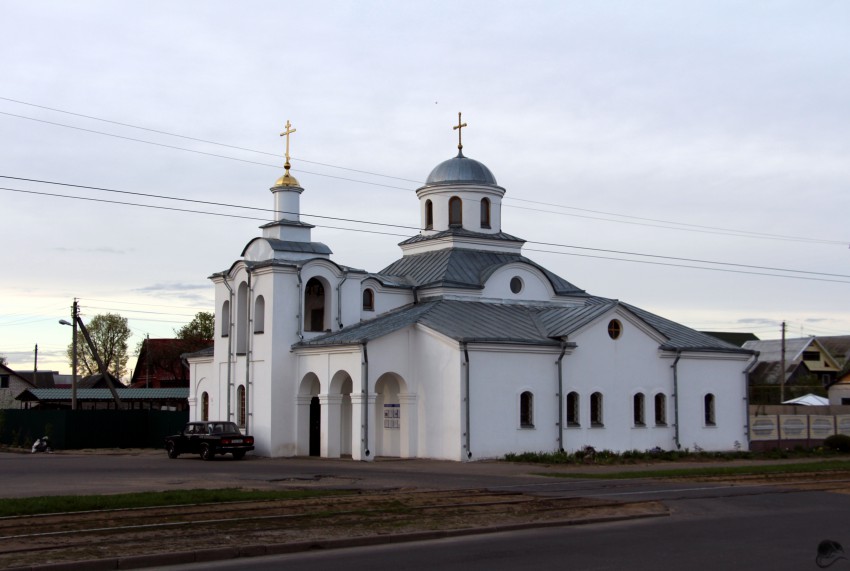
[{"x": 789, "y": 427}]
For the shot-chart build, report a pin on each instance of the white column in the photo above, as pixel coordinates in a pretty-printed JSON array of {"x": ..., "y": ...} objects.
[
  {"x": 330, "y": 425},
  {"x": 409, "y": 425}
]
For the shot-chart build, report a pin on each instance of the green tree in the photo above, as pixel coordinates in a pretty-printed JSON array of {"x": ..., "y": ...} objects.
[
  {"x": 109, "y": 333},
  {"x": 202, "y": 327},
  {"x": 2, "y": 359}
]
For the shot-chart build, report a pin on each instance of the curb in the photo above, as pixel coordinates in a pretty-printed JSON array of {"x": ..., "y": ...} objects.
[{"x": 224, "y": 553}]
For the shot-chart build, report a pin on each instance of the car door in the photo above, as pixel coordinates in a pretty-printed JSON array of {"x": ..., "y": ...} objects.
[{"x": 194, "y": 432}]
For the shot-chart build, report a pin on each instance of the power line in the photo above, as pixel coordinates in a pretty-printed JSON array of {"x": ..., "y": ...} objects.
[
  {"x": 194, "y": 201},
  {"x": 672, "y": 258},
  {"x": 681, "y": 226},
  {"x": 175, "y": 147},
  {"x": 689, "y": 266},
  {"x": 207, "y": 141},
  {"x": 686, "y": 227}
]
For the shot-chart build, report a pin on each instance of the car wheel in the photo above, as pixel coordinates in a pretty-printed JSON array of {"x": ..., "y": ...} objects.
[
  {"x": 172, "y": 450},
  {"x": 239, "y": 454},
  {"x": 207, "y": 452}
]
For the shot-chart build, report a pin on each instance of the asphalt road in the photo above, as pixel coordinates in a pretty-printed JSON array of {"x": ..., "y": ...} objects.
[
  {"x": 710, "y": 526},
  {"x": 767, "y": 531}
]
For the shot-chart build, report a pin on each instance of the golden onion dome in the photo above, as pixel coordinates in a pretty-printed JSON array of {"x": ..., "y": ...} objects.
[{"x": 287, "y": 180}]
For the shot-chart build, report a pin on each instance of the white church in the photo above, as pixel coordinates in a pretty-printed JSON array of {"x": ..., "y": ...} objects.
[{"x": 462, "y": 349}]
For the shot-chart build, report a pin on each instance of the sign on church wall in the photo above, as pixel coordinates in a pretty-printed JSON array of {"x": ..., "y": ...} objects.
[{"x": 392, "y": 415}]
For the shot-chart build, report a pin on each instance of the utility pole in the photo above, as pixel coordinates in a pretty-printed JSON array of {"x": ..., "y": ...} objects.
[
  {"x": 75, "y": 316},
  {"x": 75, "y": 313},
  {"x": 782, "y": 373}
]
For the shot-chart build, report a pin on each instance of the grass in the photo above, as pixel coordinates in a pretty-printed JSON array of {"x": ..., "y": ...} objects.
[
  {"x": 713, "y": 471},
  {"x": 58, "y": 504}
]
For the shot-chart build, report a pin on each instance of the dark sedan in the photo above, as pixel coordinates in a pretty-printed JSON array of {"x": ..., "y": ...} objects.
[{"x": 209, "y": 438}]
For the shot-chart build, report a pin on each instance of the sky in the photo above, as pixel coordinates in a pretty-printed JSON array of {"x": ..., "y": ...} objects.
[{"x": 690, "y": 158}]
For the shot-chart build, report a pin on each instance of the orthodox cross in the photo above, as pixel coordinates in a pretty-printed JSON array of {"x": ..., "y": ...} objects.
[
  {"x": 289, "y": 131},
  {"x": 458, "y": 128}
]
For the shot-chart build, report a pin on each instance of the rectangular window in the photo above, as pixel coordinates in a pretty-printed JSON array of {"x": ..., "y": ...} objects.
[
  {"x": 811, "y": 356},
  {"x": 596, "y": 410},
  {"x": 638, "y": 405},
  {"x": 4, "y": 381},
  {"x": 660, "y": 410},
  {"x": 526, "y": 410},
  {"x": 572, "y": 409}
]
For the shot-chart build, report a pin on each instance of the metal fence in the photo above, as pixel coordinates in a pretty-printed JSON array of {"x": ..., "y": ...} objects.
[{"x": 90, "y": 428}]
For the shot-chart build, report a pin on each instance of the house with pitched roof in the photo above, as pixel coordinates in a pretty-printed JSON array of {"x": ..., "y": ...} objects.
[
  {"x": 809, "y": 368},
  {"x": 462, "y": 349},
  {"x": 11, "y": 385}
]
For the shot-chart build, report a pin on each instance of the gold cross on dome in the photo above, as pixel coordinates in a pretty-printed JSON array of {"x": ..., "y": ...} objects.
[
  {"x": 458, "y": 128},
  {"x": 289, "y": 131}
]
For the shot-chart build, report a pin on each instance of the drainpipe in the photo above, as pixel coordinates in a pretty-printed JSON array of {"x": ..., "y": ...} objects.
[
  {"x": 249, "y": 336},
  {"x": 676, "y": 398},
  {"x": 561, "y": 396},
  {"x": 298, "y": 315},
  {"x": 364, "y": 381},
  {"x": 466, "y": 398},
  {"x": 415, "y": 295},
  {"x": 339, "y": 300},
  {"x": 229, "y": 345}
]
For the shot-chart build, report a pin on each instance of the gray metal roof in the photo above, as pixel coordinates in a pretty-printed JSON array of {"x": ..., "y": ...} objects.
[
  {"x": 292, "y": 246},
  {"x": 460, "y": 268},
  {"x": 683, "y": 338},
  {"x": 463, "y": 233},
  {"x": 474, "y": 321},
  {"x": 105, "y": 394},
  {"x": 460, "y": 170}
]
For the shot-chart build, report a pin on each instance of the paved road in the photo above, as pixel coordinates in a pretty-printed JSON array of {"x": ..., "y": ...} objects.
[
  {"x": 710, "y": 527},
  {"x": 762, "y": 531}
]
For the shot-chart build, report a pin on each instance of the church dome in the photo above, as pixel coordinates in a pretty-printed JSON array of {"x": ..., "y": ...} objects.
[{"x": 460, "y": 170}]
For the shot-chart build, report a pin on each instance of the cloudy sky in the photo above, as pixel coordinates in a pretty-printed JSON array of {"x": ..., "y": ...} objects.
[{"x": 690, "y": 158}]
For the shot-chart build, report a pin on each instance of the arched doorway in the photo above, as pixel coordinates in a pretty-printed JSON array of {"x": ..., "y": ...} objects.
[
  {"x": 309, "y": 416},
  {"x": 315, "y": 427}
]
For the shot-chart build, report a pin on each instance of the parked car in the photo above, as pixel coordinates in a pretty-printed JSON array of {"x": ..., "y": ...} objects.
[{"x": 209, "y": 438}]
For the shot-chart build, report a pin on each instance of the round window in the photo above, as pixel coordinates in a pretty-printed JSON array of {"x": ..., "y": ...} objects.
[
  {"x": 615, "y": 328},
  {"x": 516, "y": 284}
]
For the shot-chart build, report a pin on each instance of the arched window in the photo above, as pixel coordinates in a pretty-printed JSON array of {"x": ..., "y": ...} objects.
[
  {"x": 240, "y": 399},
  {"x": 242, "y": 319},
  {"x": 596, "y": 409},
  {"x": 368, "y": 300},
  {"x": 259, "y": 314},
  {"x": 225, "y": 318},
  {"x": 205, "y": 406},
  {"x": 660, "y": 410},
  {"x": 485, "y": 212},
  {"x": 526, "y": 410},
  {"x": 637, "y": 407},
  {"x": 455, "y": 211},
  {"x": 709, "y": 410},
  {"x": 314, "y": 305},
  {"x": 572, "y": 409},
  {"x": 429, "y": 215}
]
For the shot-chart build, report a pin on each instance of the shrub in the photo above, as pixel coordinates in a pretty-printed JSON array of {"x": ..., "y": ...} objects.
[{"x": 838, "y": 442}]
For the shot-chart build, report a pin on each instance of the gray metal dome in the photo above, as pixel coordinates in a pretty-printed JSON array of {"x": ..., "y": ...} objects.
[{"x": 459, "y": 170}]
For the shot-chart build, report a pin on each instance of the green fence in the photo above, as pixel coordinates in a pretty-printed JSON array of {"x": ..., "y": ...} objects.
[{"x": 90, "y": 428}]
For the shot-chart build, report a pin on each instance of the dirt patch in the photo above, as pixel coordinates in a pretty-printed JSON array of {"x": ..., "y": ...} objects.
[{"x": 108, "y": 534}]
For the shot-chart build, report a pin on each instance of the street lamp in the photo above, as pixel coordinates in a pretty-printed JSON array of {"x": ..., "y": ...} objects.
[{"x": 74, "y": 358}]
